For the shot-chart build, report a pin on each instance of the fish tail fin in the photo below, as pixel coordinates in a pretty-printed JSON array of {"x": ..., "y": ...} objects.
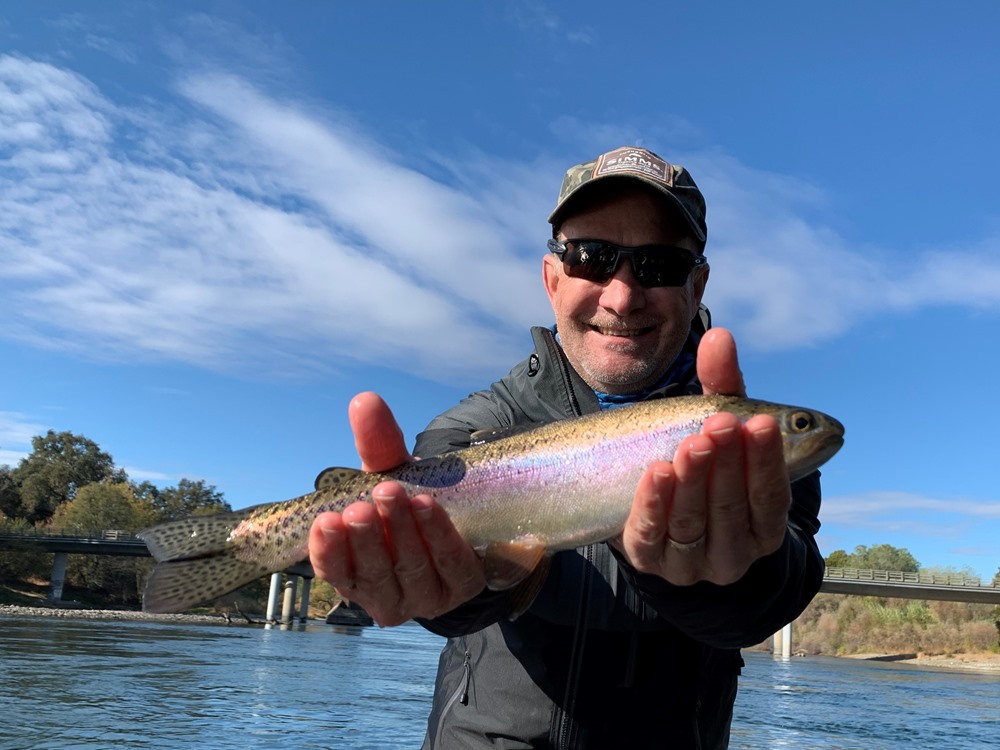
[
  {"x": 196, "y": 536},
  {"x": 175, "y": 586}
]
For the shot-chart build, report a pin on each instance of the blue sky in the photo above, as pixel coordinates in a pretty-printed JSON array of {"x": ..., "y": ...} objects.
[{"x": 219, "y": 221}]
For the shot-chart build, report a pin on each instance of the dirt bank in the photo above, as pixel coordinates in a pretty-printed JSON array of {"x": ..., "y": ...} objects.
[{"x": 986, "y": 662}]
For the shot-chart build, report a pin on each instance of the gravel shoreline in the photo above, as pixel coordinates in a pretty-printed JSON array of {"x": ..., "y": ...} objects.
[{"x": 13, "y": 610}]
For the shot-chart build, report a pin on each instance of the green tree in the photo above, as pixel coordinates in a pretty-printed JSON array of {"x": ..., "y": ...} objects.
[
  {"x": 883, "y": 557},
  {"x": 838, "y": 559},
  {"x": 189, "y": 497},
  {"x": 21, "y": 564},
  {"x": 100, "y": 507},
  {"x": 10, "y": 494},
  {"x": 59, "y": 464}
]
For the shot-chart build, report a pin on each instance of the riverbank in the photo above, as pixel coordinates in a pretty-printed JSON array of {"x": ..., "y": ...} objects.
[
  {"x": 985, "y": 662},
  {"x": 15, "y": 610}
]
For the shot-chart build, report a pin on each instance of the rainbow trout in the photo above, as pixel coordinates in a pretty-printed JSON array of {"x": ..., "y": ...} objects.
[{"x": 516, "y": 499}]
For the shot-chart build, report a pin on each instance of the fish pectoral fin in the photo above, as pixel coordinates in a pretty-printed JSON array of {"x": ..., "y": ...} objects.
[
  {"x": 506, "y": 564},
  {"x": 521, "y": 596},
  {"x": 519, "y": 569}
]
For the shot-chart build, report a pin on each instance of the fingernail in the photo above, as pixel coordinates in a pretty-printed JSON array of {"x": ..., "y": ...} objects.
[
  {"x": 422, "y": 507},
  {"x": 662, "y": 478},
  {"x": 332, "y": 533},
  {"x": 723, "y": 432}
]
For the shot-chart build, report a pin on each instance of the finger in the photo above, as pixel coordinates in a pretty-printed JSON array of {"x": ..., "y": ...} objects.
[
  {"x": 457, "y": 564},
  {"x": 687, "y": 519},
  {"x": 328, "y": 549},
  {"x": 374, "y": 576},
  {"x": 718, "y": 364},
  {"x": 645, "y": 531},
  {"x": 377, "y": 436},
  {"x": 416, "y": 577},
  {"x": 768, "y": 488},
  {"x": 729, "y": 546}
]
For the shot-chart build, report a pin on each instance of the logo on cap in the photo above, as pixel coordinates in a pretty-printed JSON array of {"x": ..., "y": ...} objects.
[{"x": 635, "y": 161}]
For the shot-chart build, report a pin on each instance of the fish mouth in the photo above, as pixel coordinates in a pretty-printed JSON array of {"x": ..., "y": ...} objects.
[{"x": 817, "y": 451}]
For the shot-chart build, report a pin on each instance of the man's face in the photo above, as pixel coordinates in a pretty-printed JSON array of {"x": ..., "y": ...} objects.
[{"x": 620, "y": 336}]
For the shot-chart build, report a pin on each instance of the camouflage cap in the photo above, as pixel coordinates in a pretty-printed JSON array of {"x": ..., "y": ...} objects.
[{"x": 638, "y": 164}]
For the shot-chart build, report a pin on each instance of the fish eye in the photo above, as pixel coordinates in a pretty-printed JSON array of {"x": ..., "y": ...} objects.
[{"x": 801, "y": 421}]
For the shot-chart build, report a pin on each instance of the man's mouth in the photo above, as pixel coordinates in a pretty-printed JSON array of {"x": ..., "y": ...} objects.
[{"x": 622, "y": 332}]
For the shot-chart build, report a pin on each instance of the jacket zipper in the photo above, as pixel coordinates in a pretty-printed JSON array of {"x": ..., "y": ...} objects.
[
  {"x": 566, "y": 720},
  {"x": 461, "y": 696}
]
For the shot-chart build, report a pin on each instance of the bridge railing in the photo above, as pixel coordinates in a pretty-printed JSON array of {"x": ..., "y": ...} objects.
[
  {"x": 109, "y": 535},
  {"x": 918, "y": 578}
]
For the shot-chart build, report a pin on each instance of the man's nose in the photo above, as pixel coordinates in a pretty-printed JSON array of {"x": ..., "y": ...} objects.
[{"x": 622, "y": 293}]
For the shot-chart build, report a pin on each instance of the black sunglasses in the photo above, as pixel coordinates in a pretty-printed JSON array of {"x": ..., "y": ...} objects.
[{"x": 653, "y": 265}]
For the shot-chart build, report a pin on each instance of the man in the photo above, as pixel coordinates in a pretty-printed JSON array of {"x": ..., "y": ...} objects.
[{"x": 633, "y": 643}]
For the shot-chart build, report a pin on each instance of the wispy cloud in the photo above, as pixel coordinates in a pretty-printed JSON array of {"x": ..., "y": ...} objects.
[
  {"x": 255, "y": 235},
  {"x": 16, "y": 432},
  {"x": 235, "y": 229},
  {"x": 889, "y": 512}
]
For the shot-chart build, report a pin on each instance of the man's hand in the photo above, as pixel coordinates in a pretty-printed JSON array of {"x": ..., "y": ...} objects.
[
  {"x": 400, "y": 557},
  {"x": 723, "y": 501}
]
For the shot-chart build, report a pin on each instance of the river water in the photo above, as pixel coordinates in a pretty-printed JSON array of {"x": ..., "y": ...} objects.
[{"x": 68, "y": 684}]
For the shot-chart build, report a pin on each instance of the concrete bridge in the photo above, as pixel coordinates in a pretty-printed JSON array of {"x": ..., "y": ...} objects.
[
  {"x": 125, "y": 543},
  {"x": 957, "y": 588},
  {"x": 944, "y": 587}
]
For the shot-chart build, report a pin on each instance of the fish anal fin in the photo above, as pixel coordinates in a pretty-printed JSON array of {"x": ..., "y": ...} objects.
[{"x": 506, "y": 564}]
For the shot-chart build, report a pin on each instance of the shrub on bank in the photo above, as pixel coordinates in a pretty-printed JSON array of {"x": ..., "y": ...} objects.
[{"x": 837, "y": 625}]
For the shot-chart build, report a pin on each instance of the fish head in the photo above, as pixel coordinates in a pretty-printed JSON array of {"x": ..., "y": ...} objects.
[{"x": 811, "y": 438}]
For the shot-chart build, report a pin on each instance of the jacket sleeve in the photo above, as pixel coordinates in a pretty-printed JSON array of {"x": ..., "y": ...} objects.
[{"x": 774, "y": 591}]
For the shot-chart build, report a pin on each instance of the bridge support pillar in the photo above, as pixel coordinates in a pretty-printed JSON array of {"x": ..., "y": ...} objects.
[
  {"x": 781, "y": 643},
  {"x": 58, "y": 576},
  {"x": 304, "y": 606},
  {"x": 289, "y": 603},
  {"x": 272, "y": 598}
]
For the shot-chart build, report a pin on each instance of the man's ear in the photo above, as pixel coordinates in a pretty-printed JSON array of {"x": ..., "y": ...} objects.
[{"x": 551, "y": 275}]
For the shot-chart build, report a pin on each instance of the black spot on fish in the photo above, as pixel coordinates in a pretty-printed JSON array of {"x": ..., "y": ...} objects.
[{"x": 442, "y": 471}]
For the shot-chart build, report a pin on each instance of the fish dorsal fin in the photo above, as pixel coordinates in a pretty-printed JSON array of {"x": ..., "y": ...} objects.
[
  {"x": 506, "y": 564},
  {"x": 332, "y": 477}
]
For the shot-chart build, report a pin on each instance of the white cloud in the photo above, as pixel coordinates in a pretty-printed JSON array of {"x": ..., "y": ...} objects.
[
  {"x": 894, "y": 511},
  {"x": 258, "y": 237},
  {"x": 16, "y": 432},
  {"x": 792, "y": 281},
  {"x": 238, "y": 230}
]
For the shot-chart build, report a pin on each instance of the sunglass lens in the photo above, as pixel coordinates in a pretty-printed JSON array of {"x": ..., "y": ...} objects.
[
  {"x": 592, "y": 261},
  {"x": 653, "y": 266},
  {"x": 661, "y": 268}
]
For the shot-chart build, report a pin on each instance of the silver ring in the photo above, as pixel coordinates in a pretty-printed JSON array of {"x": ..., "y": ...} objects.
[{"x": 682, "y": 547}]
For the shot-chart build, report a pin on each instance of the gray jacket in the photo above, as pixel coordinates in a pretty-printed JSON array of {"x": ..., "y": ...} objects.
[{"x": 606, "y": 657}]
